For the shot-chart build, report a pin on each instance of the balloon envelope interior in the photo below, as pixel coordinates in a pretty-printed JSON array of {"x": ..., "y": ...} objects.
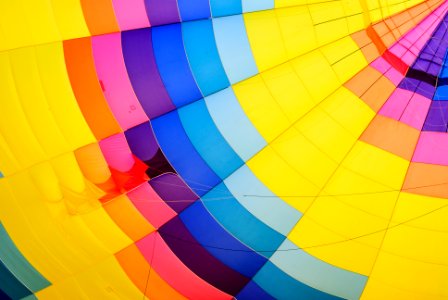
[{"x": 220, "y": 149}]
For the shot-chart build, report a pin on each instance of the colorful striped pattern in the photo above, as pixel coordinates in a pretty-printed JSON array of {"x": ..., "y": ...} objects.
[{"x": 219, "y": 149}]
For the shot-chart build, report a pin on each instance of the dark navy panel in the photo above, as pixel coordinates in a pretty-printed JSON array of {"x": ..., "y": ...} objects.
[
  {"x": 241, "y": 223},
  {"x": 142, "y": 70},
  {"x": 173, "y": 64},
  {"x": 193, "y": 9},
  {"x": 219, "y": 242},
  {"x": 10, "y": 285},
  {"x": 226, "y": 8},
  {"x": 200, "y": 45},
  {"x": 282, "y": 286},
  {"x": 182, "y": 155},
  {"x": 200, "y": 261},
  {"x": 253, "y": 291}
]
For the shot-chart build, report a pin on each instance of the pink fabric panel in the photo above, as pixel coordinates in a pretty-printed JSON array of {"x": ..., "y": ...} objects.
[
  {"x": 174, "y": 272},
  {"x": 131, "y": 14},
  {"x": 115, "y": 82}
]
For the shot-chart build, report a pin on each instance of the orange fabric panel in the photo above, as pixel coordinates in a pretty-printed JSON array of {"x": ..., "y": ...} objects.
[
  {"x": 391, "y": 135},
  {"x": 362, "y": 81},
  {"x": 128, "y": 218},
  {"x": 427, "y": 179},
  {"x": 92, "y": 163},
  {"x": 99, "y": 16},
  {"x": 137, "y": 268},
  {"x": 378, "y": 93},
  {"x": 87, "y": 89}
]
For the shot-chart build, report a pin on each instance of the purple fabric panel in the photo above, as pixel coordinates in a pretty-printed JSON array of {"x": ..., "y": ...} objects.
[
  {"x": 437, "y": 118},
  {"x": 174, "y": 191},
  {"x": 143, "y": 73},
  {"x": 199, "y": 260},
  {"x": 162, "y": 12},
  {"x": 142, "y": 142}
]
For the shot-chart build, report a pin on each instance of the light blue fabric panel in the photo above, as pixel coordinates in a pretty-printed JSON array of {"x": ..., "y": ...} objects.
[
  {"x": 318, "y": 274},
  {"x": 234, "y": 49},
  {"x": 263, "y": 204},
  {"x": 233, "y": 124}
]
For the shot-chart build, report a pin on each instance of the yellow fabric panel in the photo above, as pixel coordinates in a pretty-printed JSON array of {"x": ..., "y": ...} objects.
[
  {"x": 316, "y": 74},
  {"x": 42, "y": 239},
  {"x": 326, "y": 134},
  {"x": 104, "y": 280},
  {"x": 260, "y": 107},
  {"x": 60, "y": 97},
  {"x": 33, "y": 102},
  {"x": 68, "y": 172},
  {"x": 297, "y": 30},
  {"x": 286, "y": 3},
  {"x": 351, "y": 236},
  {"x": 22, "y": 141},
  {"x": 46, "y": 181},
  {"x": 377, "y": 165},
  {"x": 27, "y": 22},
  {"x": 345, "y": 57},
  {"x": 354, "y": 15},
  {"x": 265, "y": 38},
  {"x": 288, "y": 91},
  {"x": 14, "y": 26},
  {"x": 406, "y": 279},
  {"x": 304, "y": 157},
  {"x": 69, "y": 18},
  {"x": 329, "y": 21},
  {"x": 104, "y": 228},
  {"x": 267, "y": 165},
  {"x": 8, "y": 163},
  {"x": 67, "y": 289},
  {"x": 348, "y": 111}
]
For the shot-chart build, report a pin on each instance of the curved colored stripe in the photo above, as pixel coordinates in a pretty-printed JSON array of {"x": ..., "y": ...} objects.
[
  {"x": 203, "y": 56},
  {"x": 253, "y": 291},
  {"x": 207, "y": 139},
  {"x": 208, "y": 232},
  {"x": 117, "y": 89},
  {"x": 199, "y": 260},
  {"x": 173, "y": 64},
  {"x": 234, "y": 49},
  {"x": 225, "y": 8},
  {"x": 281, "y": 286},
  {"x": 240, "y": 133},
  {"x": 162, "y": 11},
  {"x": 142, "y": 70},
  {"x": 182, "y": 155},
  {"x": 87, "y": 89},
  {"x": 99, "y": 16},
  {"x": 168, "y": 266},
  {"x": 131, "y": 14},
  {"x": 193, "y": 9},
  {"x": 240, "y": 223},
  {"x": 318, "y": 274}
]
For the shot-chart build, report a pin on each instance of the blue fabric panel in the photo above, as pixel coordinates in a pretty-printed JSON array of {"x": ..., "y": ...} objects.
[
  {"x": 240, "y": 223},
  {"x": 222, "y": 8},
  {"x": 193, "y": 9},
  {"x": 207, "y": 139},
  {"x": 219, "y": 242},
  {"x": 281, "y": 286},
  {"x": 233, "y": 124},
  {"x": 234, "y": 49},
  {"x": 173, "y": 64},
  {"x": 199, "y": 41},
  {"x": 182, "y": 155},
  {"x": 253, "y": 291}
]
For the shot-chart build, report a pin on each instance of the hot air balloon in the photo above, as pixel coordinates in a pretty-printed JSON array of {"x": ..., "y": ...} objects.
[{"x": 224, "y": 149}]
